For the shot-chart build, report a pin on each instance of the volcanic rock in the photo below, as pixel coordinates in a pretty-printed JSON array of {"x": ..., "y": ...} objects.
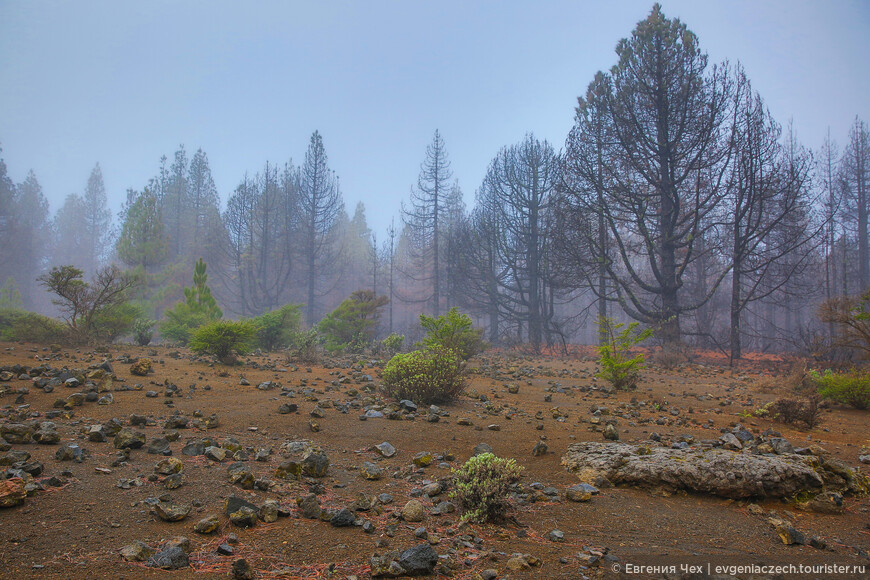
[
  {"x": 128, "y": 439},
  {"x": 715, "y": 471}
]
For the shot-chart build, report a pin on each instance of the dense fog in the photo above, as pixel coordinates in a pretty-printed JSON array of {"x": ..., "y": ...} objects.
[{"x": 676, "y": 200}]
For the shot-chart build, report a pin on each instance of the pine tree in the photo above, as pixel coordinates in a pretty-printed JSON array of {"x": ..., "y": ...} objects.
[
  {"x": 7, "y": 220},
  {"x": 97, "y": 221},
  {"x": 426, "y": 219},
  {"x": 320, "y": 206},
  {"x": 30, "y": 236},
  {"x": 199, "y": 307},
  {"x": 143, "y": 240},
  {"x": 71, "y": 243}
]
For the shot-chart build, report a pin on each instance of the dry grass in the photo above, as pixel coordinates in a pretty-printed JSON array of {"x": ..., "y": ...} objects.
[{"x": 795, "y": 381}]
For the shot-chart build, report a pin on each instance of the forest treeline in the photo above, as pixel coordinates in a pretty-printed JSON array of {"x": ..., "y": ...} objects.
[{"x": 676, "y": 200}]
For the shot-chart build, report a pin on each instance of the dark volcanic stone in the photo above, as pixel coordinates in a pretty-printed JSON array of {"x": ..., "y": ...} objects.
[
  {"x": 171, "y": 558},
  {"x": 233, "y": 504},
  {"x": 242, "y": 570},
  {"x": 127, "y": 439},
  {"x": 343, "y": 518},
  {"x": 194, "y": 448},
  {"x": 419, "y": 560},
  {"x": 159, "y": 446}
]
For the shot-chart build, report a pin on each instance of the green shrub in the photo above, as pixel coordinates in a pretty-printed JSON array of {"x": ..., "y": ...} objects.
[
  {"x": 424, "y": 376},
  {"x": 352, "y": 324},
  {"x": 8, "y": 317},
  {"x": 617, "y": 366},
  {"x": 10, "y": 297},
  {"x": 143, "y": 331},
  {"x": 277, "y": 328},
  {"x": 304, "y": 347},
  {"x": 453, "y": 331},
  {"x": 20, "y": 325},
  {"x": 223, "y": 339},
  {"x": 116, "y": 321},
  {"x": 851, "y": 388},
  {"x": 393, "y": 344},
  {"x": 483, "y": 485},
  {"x": 181, "y": 322}
]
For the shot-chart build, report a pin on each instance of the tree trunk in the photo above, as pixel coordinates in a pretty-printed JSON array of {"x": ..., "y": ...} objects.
[
  {"x": 736, "y": 351},
  {"x": 535, "y": 331}
]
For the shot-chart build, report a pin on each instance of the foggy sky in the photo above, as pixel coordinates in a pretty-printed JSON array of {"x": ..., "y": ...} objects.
[{"x": 122, "y": 83}]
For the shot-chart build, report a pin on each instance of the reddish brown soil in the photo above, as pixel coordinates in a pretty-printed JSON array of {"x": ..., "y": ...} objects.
[{"x": 76, "y": 531}]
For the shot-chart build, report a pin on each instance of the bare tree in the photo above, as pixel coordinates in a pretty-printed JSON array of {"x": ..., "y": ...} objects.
[
  {"x": 426, "y": 217},
  {"x": 520, "y": 182},
  {"x": 767, "y": 208},
  {"x": 826, "y": 169},
  {"x": 855, "y": 184},
  {"x": 581, "y": 235},
  {"x": 664, "y": 160},
  {"x": 390, "y": 250},
  {"x": 320, "y": 205},
  {"x": 262, "y": 221},
  {"x": 481, "y": 269}
]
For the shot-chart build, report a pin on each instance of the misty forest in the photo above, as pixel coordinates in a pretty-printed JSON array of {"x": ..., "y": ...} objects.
[
  {"x": 639, "y": 348},
  {"x": 677, "y": 200}
]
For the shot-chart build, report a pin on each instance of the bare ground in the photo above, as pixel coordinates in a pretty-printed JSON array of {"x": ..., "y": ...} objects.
[{"x": 77, "y": 530}]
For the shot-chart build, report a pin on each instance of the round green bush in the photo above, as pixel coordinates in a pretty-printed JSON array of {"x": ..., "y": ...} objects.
[
  {"x": 483, "y": 486},
  {"x": 224, "y": 339},
  {"x": 424, "y": 376},
  {"x": 851, "y": 388}
]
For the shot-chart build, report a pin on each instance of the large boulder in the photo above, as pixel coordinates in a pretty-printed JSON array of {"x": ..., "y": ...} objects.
[{"x": 714, "y": 471}]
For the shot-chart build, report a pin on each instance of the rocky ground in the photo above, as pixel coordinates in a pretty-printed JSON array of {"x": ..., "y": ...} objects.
[{"x": 270, "y": 469}]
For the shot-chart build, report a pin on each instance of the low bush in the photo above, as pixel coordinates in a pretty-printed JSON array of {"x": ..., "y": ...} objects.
[
  {"x": 180, "y": 323},
  {"x": 618, "y": 367},
  {"x": 482, "y": 487},
  {"x": 111, "y": 323},
  {"x": 851, "y": 387},
  {"x": 276, "y": 329},
  {"x": 20, "y": 325},
  {"x": 795, "y": 411},
  {"x": 351, "y": 326},
  {"x": 393, "y": 344},
  {"x": 143, "y": 331},
  {"x": 305, "y": 347},
  {"x": 453, "y": 331},
  {"x": 223, "y": 339},
  {"x": 424, "y": 376}
]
